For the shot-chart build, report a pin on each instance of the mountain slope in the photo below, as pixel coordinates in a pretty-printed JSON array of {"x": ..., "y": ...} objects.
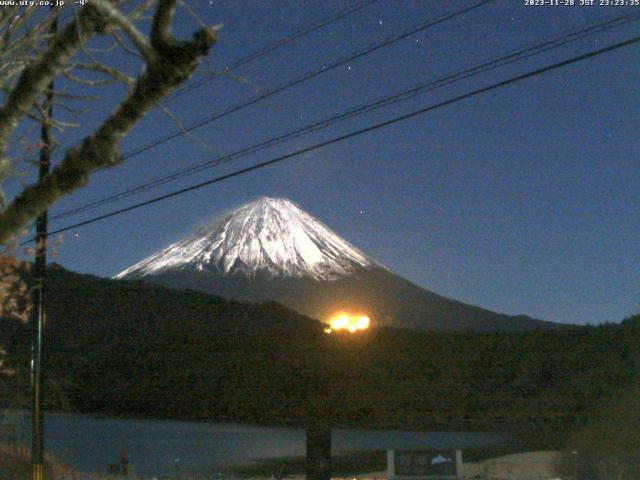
[
  {"x": 271, "y": 249},
  {"x": 135, "y": 349},
  {"x": 271, "y": 235}
]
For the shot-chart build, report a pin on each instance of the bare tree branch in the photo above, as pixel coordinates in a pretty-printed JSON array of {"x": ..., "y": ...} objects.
[
  {"x": 76, "y": 97},
  {"x": 114, "y": 73},
  {"x": 36, "y": 77},
  {"x": 18, "y": 40},
  {"x": 125, "y": 47},
  {"x": 162, "y": 21},
  {"x": 184, "y": 129},
  {"x": 122, "y": 78},
  {"x": 139, "y": 11},
  {"x": 172, "y": 63},
  {"x": 127, "y": 26}
]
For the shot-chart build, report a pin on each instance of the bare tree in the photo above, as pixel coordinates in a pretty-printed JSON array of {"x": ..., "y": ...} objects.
[{"x": 31, "y": 58}]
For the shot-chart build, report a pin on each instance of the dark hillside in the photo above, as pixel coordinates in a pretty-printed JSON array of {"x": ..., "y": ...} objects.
[{"x": 127, "y": 348}]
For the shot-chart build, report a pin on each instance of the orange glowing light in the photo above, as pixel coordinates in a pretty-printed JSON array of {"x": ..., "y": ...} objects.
[{"x": 352, "y": 323}]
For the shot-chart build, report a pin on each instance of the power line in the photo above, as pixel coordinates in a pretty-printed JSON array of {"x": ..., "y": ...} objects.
[
  {"x": 386, "y": 123},
  {"x": 383, "y": 102},
  {"x": 307, "y": 76}
]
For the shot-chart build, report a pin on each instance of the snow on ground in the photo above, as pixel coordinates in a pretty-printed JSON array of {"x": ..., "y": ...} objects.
[{"x": 519, "y": 466}]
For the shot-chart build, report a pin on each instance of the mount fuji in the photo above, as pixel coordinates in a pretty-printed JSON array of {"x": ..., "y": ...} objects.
[{"x": 272, "y": 250}]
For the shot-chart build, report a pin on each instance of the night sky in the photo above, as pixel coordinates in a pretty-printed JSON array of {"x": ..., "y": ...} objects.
[{"x": 520, "y": 200}]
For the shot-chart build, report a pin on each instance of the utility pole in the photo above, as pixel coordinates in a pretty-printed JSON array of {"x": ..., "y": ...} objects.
[
  {"x": 318, "y": 461},
  {"x": 40, "y": 272}
]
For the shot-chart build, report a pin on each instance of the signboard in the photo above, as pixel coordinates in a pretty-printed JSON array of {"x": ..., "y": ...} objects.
[{"x": 428, "y": 464}]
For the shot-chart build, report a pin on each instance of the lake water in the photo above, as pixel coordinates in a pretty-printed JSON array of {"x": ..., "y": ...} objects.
[{"x": 158, "y": 447}]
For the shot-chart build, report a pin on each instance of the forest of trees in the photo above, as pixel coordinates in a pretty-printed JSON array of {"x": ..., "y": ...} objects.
[{"x": 126, "y": 348}]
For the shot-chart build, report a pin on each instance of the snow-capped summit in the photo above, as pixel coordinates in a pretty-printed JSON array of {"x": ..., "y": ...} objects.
[{"x": 270, "y": 235}]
